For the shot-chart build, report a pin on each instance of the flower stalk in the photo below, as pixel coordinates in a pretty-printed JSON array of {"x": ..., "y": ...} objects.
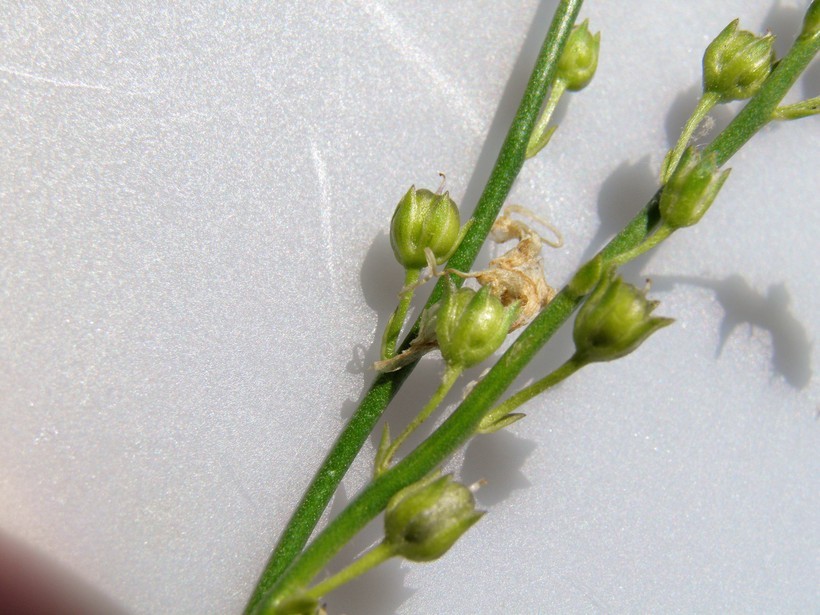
[
  {"x": 357, "y": 430},
  {"x": 462, "y": 423},
  {"x": 499, "y": 416},
  {"x": 377, "y": 555},
  {"x": 576, "y": 67},
  {"x": 388, "y": 449},
  {"x": 735, "y": 66}
]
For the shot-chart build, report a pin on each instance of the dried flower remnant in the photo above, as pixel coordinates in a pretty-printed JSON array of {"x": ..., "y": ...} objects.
[{"x": 518, "y": 274}]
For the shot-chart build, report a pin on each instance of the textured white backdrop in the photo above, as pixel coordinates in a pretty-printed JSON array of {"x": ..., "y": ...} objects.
[{"x": 194, "y": 266}]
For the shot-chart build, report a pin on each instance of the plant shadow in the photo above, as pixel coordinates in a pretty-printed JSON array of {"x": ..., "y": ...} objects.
[
  {"x": 497, "y": 459},
  {"x": 31, "y": 582},
  {"x": 381, "y": 281},
  {"x": 622, "y": 195},
  {"x": 785, "y": 20},
  {"x": 811, "y": 80},
  {"x": 744, "y": 305}
]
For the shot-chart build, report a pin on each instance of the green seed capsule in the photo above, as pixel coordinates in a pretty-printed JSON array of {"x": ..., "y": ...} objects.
[
  {"x": 811, "y": 22},
  {"x": 470, "y": 325},
  {"x": 424, "y": 520},
  {"x": 614, "y": 321},
  {"x": 424, "y": 219},
  {"x": 736, "y": 63},
  {"x": 691, "y": 189},
  {"x": 580, "y": 58}
]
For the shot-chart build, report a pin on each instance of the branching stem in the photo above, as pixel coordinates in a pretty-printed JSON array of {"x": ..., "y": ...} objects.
[
  {"x": 394, "y": 325},
  {"x": 567, "y": 369},
  {"x": 702, "y": 109},
  {"x": 661, "y": 233},
  {"x": 541, "y": 133},
  {"x": 462, "y": 423},
  {"x": 449, "y": 378},
  {"x": 378, "y": 554},
  {"x": 364, "y": 419}
]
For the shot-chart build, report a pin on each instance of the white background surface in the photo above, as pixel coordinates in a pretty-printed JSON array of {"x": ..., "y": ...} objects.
[{"x": 194, "y": 266}]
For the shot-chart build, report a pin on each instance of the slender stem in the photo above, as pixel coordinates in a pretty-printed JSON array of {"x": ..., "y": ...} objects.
[
  {"x": 663, "y": 232},
  {"x": 804, "y": 108},
  {"x": 572, "y": 365},
  {"x": 702, "y": 109},
  {"x": 449, "y": 378},
  {"x": 355, "y": 433},
  {"x": 371, "y": 559},
  {"x": 512, "y": 155},
  {"x": 758, "y": 112},
  {"x": 540, "y": 134},
  {"x": 461, "y": 424},
  {"x": 326, "y": 480},
  {"x": 394, "y": 325}
]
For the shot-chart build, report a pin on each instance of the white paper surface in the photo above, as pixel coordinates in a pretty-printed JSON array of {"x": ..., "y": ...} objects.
[{"x": 195, "y": 266}]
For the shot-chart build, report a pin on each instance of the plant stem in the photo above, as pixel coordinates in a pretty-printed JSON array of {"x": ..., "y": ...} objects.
[
  {"x": 355, "y": 433},
  {"x": 540, "y": 134},
  {"x": 372, "y": 558},
  {"x": 702, "y": 109},
  {"x": 761, "y": 107},
  {"x": 326, "y": 480},
  {"x": 804, "y": 108},
  {"x": 394, "y": 325},
  {"x": 449, "y": 378},
  {"x": 461, "y": 424},
  {"x": 661, "y": 233},
  {"x": 563, "y": 372}
]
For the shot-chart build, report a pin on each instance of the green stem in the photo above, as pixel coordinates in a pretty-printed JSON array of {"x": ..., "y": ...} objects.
[
  {"x": 541, "y": 134},
  {"x": 380, "y": 553},
  {"x": 324, "y": 483},
  {"x": 355, "y": 433},
  {"x": 702, "y": 109},
  {"x": 572, "y": 365},
  {"x": 758, "y": 112},
  {"x": 663, "y": 232},
  {"x": 804, "y": 108},
  {"x": 449, "y": 378},
  {"x": 461, "y": 424},
  {"x": 394, "y": 325}
]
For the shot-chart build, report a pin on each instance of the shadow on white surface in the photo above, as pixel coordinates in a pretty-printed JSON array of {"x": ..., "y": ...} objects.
[
  {"x": 785, "y": 21},
  {"x": 622, "y": 195},
  {"x": 811, "y": 80},
  {"x": 381, "y": 590},
  {"x": 381, "y": 279},
  {"x": 497, "y": 459},
  {"x": 770, "y": 311}
]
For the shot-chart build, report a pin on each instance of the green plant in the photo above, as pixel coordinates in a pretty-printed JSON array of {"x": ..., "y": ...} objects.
[{"x": 289, "y": 592}]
